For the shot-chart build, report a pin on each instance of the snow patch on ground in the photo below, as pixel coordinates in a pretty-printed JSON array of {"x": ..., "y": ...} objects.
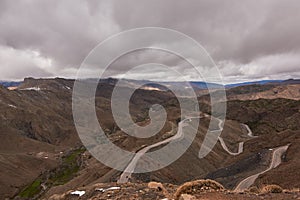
[
  {"x": 10, "y": 105},
  {"x": 79, "y": 193},
  {"x": 32, "y": 88},
  {"x": 151, "y": 88},
  {"x": 111, "y": 188}
]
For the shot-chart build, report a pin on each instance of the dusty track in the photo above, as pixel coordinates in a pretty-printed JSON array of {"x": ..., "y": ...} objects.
[
  {"x": 126, "y": 175},
  {"x": 276, "y": 160}
]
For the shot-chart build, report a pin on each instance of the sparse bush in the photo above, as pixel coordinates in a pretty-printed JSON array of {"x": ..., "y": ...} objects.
[
  {"x": 32, "y": 189},
  {"x": 253, "y": 189},
  {"x": 272, "y": 189},
  {"x": 198, "y": 186},
  {"x": 159, "y": 187},
  {"x": 156, "y": 185}
]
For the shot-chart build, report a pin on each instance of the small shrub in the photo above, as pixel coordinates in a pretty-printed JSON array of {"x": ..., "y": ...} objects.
[
  {"x": 155, "y": 185},
  {"x": 159, "y": 187},
  {"x": 31, "y": 190},
  {"x": 198, "y": 186},
  {"x": 272, "y": 189},
  {"x": 253, "y": 189}
]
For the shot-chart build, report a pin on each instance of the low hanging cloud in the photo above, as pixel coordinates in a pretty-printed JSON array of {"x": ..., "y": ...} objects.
[
  {"x": 63, "y": 31},
  {"x": 277, "y": 66},
  {"x": 248, "y": 40},
  {"x": 23, "y": 63}
]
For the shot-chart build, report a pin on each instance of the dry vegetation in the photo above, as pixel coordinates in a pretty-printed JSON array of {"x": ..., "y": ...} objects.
[
  {"x": 35, "y": 122},
  {"x": 199, "y": 189},
  {"x": 272, "y": 189},
  {"x": 198, "y": 186}
]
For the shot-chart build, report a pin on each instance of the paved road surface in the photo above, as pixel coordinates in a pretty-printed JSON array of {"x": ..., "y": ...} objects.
[
  {"x": 241, "y": 144},
  {"x": 240, "y": 150},
  {"x": 126, "y": 175},
  {"x": 250, "y": 133},
  {"x": 276, "y": 160}
]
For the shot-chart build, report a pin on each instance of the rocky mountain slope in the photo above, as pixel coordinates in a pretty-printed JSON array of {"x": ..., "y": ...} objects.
[
  {"x": 199, "y": 189},
  {"x": 289, "y": 89},
  {"x": 41, "y": 154}
]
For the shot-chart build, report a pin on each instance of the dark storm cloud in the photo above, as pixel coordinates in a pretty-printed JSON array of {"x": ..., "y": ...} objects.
[
  {"x": 247, "y": 39},
  {"x": 63, "y": 31}
]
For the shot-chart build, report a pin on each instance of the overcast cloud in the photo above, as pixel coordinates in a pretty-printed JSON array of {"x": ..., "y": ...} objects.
[{"x": 248, "y": 40}]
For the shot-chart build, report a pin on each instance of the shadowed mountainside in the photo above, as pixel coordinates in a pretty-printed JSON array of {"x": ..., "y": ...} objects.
[{"x": 37, "y": 129}]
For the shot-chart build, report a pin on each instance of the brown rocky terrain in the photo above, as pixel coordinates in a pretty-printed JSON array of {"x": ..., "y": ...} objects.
[
  {"x": 200, "y": 189},
  {"x": 41, "y": 154},
  {"x": 289, "y": 89}
]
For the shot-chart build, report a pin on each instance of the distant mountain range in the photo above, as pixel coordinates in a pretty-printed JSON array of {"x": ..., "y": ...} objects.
[
  {"x": 10, "y": 83},
  {"x": 195, "y": 84},
  {"x": 262, "y": 82}
]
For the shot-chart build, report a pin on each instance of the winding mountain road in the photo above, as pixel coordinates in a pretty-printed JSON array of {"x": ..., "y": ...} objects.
[
  {"x": 240, "y": 150},
  {"x": 126, "y": 175},
  {"x": 241, "y": 144},
  {"x": 250, "y": 133},
  {"x": 276, "y": 160}
]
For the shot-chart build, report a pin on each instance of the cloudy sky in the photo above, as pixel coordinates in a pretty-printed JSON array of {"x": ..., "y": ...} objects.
[{"x": 248, "y": 40}]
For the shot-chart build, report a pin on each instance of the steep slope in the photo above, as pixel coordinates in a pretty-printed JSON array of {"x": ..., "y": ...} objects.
[
  {"x": 37, "y": 128},
  {"x": 285, "y": 89},
  {"x": 266, "y": 116},
  {"x": 34, "y": 129}
]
